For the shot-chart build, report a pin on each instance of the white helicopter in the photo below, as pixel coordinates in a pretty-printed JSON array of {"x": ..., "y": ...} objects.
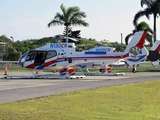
[{"x": 64, "y": 55}]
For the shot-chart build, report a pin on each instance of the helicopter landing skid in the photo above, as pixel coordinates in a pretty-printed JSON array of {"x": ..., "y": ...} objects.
[{"x": 102, "y": 74}]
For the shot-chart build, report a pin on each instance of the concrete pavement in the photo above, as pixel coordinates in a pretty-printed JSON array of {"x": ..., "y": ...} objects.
[{"x": 20, "y": 89}]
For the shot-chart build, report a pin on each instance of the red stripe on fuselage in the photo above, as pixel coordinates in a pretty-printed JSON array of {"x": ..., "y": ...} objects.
[
  {"x": 31, "y": 66},
  {"x": 140, "y": 44},
  {"x": 126, "y": 55},
  {"x": 158, "y": 48},
  {"x": 49, "y": 63}
]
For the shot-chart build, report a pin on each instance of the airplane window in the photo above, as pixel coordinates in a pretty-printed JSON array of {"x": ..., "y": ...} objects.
[
  {"x": 31, "y": 55},
  {"x": 51, "y": 54}
]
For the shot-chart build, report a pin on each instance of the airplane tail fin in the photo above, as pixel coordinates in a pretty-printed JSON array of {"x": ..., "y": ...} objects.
[
  {"x": 156, "y": 46},
  {"x": 137, "y": 40},
  {"x": 136, "y": 51},
  {"x": 154, "y": 54}
]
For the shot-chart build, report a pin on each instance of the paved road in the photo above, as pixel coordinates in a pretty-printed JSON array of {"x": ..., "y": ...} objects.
[{"x": 20, "y": 89}]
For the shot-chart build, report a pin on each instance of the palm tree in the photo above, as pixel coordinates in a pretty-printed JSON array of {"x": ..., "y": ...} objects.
[
  {"x": 141, "y": 27},
  {"x": 70, "y": 16},
  {"x": 152, "y": 8}
]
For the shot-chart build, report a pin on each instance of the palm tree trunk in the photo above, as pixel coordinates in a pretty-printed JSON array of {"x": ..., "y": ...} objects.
[{"x": 154, "y": 27}]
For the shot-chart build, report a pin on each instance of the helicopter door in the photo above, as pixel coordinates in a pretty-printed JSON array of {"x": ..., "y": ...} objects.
[{"x": 40, "y": 58}]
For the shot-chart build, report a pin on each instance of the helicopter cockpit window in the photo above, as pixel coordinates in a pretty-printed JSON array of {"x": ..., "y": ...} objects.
[
  {"x": 23, "y": 57},
  {"x": 51, "y": 54},
  {"x": 31, "y": 55}
]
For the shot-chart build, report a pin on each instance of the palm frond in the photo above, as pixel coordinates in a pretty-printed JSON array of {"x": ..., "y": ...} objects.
[
  {"x": 80, "y": 23},
  {"x": 137, "y": 16},
  {"x": 146, "y": 2},
  {"x": 63, "y": 9},
  {"x": 55, "y": 22}
]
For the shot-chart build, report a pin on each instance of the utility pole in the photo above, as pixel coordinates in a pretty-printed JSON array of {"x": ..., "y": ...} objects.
[{"x": 121, "y": 38}]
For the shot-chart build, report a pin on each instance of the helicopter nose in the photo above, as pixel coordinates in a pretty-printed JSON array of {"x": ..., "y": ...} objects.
[
  {"x": 21, "y": 63},
  {"x": 22, "y": 59}
]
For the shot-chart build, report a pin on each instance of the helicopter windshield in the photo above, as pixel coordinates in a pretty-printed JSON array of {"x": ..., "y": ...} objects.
[
  {"x": 31, "y": 55},
  {"x": 23, "y": 58}
]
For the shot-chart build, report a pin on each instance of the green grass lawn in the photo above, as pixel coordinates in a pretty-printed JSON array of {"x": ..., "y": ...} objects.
[{"x": 138, "y": 101}]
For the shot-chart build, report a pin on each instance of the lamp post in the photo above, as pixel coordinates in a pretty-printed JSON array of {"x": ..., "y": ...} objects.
[{"x": 12, "y": 39}]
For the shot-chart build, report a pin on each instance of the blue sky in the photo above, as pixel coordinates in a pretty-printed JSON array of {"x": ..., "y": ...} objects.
[{"x": 28, "y": 19}]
